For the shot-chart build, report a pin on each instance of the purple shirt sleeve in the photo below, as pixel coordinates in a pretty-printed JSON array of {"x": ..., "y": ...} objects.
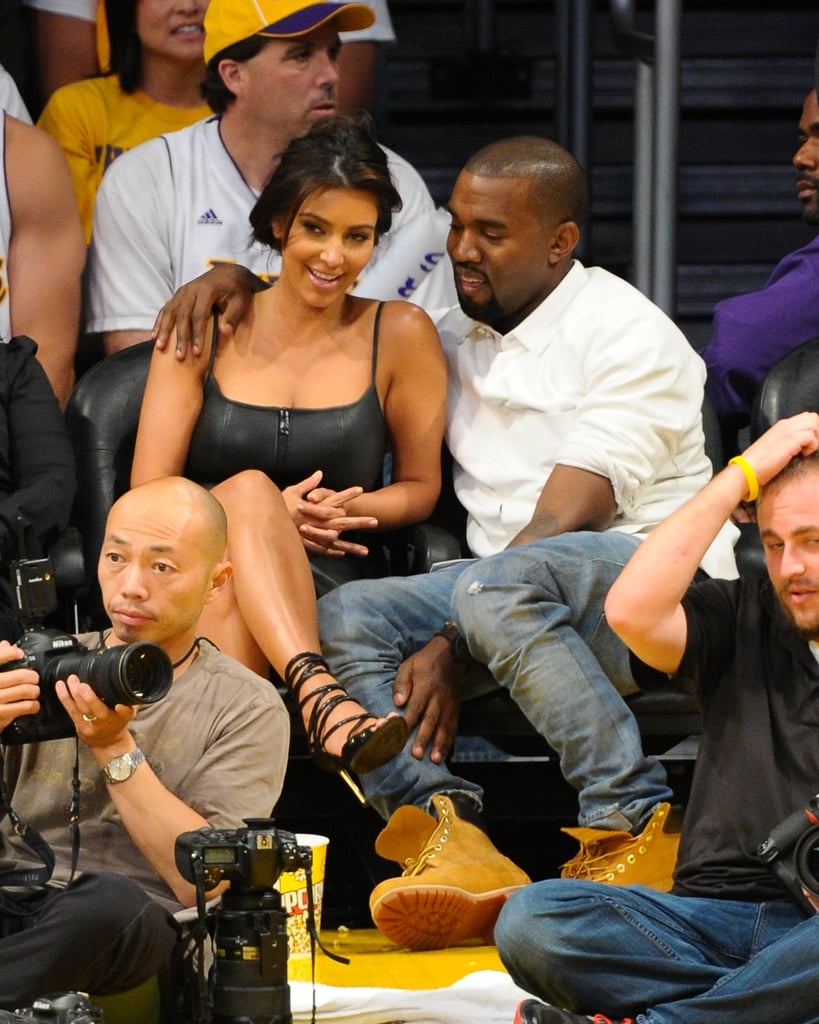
[{"x": 751, "y": 332}]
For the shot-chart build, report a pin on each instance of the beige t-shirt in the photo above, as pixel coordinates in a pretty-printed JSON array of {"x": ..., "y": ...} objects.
[{"x": 219, "y": 741}]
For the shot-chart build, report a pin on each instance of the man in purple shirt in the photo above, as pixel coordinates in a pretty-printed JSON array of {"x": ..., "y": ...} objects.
[{"x": 751, "y": 332}]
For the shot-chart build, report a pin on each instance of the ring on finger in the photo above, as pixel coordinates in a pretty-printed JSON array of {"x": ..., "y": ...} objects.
[{"x": 89, "y": 718}]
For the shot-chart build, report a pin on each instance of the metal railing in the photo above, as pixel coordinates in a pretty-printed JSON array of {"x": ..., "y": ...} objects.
[{"x": 656, "y": 145}]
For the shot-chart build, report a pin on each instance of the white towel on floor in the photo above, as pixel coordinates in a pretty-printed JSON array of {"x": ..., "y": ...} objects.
[{"x": 486, "y": 996}]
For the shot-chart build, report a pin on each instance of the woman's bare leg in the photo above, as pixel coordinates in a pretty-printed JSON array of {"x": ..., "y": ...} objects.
[{"x": 268, "y": 614}]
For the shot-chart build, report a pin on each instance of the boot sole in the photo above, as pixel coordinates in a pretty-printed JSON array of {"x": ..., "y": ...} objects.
[{"x": 436, "y": 916}]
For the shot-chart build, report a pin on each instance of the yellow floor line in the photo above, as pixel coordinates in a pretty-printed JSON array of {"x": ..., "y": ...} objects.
[{"x": 376, "y": 962}]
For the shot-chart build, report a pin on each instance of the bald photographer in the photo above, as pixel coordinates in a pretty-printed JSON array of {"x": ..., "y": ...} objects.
[{"x": 210, "y": 752}]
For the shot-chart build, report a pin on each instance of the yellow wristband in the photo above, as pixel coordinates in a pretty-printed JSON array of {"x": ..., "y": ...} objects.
[{"x": 750, "y": 476}]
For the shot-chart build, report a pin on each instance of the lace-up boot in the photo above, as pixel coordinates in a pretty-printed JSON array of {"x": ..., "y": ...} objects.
[
  {"x": 621, "y": 858},
  {"x": 454, "y": 882}
]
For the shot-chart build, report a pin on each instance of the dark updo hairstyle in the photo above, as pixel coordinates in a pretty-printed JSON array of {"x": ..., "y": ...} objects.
[{"x": 337, "y": 152}]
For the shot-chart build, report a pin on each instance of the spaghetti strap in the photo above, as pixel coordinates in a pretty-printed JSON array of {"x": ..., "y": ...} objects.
[
  {"x": 213, "y": 340},
  {"x": 375, "y": 336}
]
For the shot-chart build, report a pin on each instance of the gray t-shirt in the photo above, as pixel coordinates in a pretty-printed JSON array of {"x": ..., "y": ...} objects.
[{"x": 219, "y": 741}]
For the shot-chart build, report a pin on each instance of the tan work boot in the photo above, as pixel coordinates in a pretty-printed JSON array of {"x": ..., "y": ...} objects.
[
  {"x": 454, "y": 882},
  {"x": 620, "y": 858}
]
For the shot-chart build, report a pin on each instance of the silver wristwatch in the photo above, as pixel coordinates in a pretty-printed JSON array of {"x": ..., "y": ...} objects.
[{"x": 121, "y": 768}]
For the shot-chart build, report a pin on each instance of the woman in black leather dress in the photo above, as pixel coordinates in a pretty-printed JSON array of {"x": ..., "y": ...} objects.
[{"x": 289, "y": 417}]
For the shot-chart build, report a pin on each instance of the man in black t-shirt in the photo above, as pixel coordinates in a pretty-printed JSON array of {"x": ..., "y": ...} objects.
[{"x": 728, "y": 943}]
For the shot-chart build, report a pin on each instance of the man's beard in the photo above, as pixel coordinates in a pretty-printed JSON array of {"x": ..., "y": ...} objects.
[
  {"x": 810, "y": 214},
  {"x": 489, "y": 312},
  {"x": 805, "y": 626}
]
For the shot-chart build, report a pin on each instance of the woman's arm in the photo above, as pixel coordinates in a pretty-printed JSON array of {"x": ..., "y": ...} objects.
[
  {"x": 411, "y": 379},
  {"x": 170, "y": 407}
]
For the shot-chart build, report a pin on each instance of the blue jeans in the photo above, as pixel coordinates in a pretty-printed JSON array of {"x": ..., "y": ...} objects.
[
  {"x": 533, "y": 615},
  {"x": 662, "y": 959}
]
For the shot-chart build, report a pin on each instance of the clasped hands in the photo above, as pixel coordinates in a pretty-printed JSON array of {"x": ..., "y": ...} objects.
[{"x": 321, "y": 517}]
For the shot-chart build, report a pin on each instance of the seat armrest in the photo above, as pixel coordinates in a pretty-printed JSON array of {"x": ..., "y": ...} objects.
[{"x": 431, "y": 544}]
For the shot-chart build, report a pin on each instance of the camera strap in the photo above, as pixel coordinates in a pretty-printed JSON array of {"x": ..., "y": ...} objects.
[{"x": 31, "y": 837}]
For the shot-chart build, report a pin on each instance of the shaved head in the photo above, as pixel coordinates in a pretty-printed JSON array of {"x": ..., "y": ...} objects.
[
  {"x": 557, "y": 180},
  {"x": 183, "y": 503},
  {"x": 162, "y": 560}
]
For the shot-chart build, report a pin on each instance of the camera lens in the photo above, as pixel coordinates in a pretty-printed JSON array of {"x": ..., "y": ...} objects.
[
  {"x": 138, "y": 673},
  {"x": 806, "y": 860},
  {"x": 145, "y": 673}
]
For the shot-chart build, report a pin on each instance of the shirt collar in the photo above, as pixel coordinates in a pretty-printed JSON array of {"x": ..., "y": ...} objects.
[{"x": 533, "y": 332}]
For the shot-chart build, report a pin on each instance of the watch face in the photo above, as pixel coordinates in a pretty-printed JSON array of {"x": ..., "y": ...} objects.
[
  {"x": 123, "y": 767},
  {"x": 120, "y": 768}
]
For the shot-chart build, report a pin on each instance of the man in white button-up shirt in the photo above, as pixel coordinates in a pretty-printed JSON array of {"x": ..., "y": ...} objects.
[{"x": 574, "y": 421}]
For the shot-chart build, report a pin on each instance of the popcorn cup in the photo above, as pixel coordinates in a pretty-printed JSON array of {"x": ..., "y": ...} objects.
[{"x": 293, "y": 888}]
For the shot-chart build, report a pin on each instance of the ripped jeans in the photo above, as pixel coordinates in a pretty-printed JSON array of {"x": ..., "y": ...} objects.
[{"x": 533, "y": 616}]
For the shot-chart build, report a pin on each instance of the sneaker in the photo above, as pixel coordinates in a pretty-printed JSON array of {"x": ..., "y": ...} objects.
[
  {"x": 532, "y": 1011},
  {"x": 621, "y": 858},
  {"x": 454, "y": 883}
]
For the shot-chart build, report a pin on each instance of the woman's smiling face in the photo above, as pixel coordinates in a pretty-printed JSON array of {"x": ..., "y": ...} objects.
[{"x": 330, "y": 241}]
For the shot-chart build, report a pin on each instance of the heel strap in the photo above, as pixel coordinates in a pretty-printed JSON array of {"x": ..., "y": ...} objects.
[
  {"x": 326, "y": 698},
  {"x": 302, "y": 667}
]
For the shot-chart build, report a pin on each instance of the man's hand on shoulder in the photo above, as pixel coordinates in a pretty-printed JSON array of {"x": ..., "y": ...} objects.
[
  {"x": 228, "y": 287},
  {"x": 428, "y": 687},
  {"x": 19, "y": 687}
]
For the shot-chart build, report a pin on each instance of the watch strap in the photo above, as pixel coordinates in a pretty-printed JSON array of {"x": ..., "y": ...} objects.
[
  {"x": 460, "y": 652},
  {"x": 121, "y": 768}
]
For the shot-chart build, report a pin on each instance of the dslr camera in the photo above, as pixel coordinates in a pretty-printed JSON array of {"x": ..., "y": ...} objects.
[
  {"x": 791, "y": 851},
  {"x": 250, "y": 858},
  {"x": 137, "y": 673},
  {"x": 248, "y": 979},
  {"x": 59, "y": 1008}
]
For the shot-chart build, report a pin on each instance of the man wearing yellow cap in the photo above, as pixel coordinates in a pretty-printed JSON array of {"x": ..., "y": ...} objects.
[{"x": 173, "y": 207}]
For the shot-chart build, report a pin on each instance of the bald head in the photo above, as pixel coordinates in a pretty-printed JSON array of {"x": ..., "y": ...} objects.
[
  {"x": 179, "y": 503},
  {"x": 162, "y": 560},
  {"x": 557, "y": 180}
]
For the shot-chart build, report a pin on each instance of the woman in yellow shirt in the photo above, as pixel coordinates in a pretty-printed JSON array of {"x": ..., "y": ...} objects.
[{"x": 151, "y": 87}]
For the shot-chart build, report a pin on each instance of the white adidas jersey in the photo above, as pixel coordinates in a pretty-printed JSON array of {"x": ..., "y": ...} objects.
[{"x": 171, "y": 208}]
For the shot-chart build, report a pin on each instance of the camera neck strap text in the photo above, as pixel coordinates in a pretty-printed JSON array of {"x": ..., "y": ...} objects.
[{"x": 32, "y": 838}]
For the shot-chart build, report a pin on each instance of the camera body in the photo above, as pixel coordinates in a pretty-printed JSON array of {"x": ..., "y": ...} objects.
[
  {"x": 58, "y": 1008},
  {"x": 138, "y": 673},
  {"x": 248, "y": 980},
  {"x": 253, "y": 857},
  {"x": 791, "y": 851}
]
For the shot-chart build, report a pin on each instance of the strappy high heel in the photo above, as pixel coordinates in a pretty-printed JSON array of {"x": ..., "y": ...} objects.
[{"x": 366, "y": 749}]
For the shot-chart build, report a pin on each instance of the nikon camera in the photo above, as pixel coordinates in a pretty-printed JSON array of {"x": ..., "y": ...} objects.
[
  {"x": 137, "y": 673},
  {"x": 791, "y": 851},
  {"x": 58, "y": 1008},
  {"x": 248, "y": 981}
]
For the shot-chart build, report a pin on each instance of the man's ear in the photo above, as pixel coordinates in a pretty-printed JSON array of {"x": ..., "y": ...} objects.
[
  {"x": 221, "y": 576},
  {"x": 564, "y": 241},
  {"x": 232, "y": 73}
]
